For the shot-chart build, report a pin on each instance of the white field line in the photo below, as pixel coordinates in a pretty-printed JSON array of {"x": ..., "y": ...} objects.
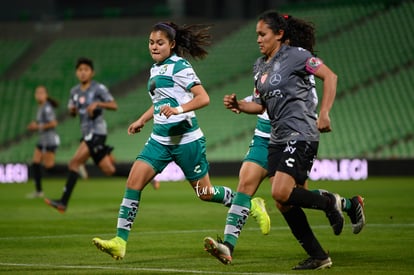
[
  {"x": 274, "y": 228},
  {"x": 141, "y": 269}
]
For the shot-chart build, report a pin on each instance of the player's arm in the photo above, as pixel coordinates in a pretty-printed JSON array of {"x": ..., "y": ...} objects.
[
  {"x": 137, "y": 125},
  {"x": 34, "y": 126},
  {"x": 238, "y": 106},
  {"x": 200, "y": 100},
  {"x": 109, "y": 105},
  {"x": 329, "y": 91}
]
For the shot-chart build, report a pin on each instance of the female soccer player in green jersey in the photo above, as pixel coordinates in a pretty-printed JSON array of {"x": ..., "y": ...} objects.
[{"x": 176, "y": 92}]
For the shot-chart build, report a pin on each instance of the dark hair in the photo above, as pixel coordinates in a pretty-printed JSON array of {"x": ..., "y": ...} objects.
[
  {"x": 190, "y": 40},
  {"x": 297, "y": 32},
  {"x": 85, "y": 61},
  {"x": 300, "y": 33},
  {"x": 49, "y": 99}
]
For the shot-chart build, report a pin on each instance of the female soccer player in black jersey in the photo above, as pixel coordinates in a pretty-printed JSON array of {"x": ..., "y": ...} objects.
[{"x": 284, "y": 86}]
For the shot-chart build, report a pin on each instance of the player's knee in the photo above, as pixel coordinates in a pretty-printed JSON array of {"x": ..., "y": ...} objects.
[
  {"x": 48, "y": 166},
  {"x": 108, "y": 170},
  {"x": 280, "y": 195},
  {"x": 73, "y": 165},
  {"x": 205, "y": 197}
]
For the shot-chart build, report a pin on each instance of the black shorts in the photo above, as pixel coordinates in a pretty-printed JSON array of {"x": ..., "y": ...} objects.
[
  {"x": 50, "y": 148},
  {"x": 97, "y": 147},
  {"x": 294, "y": 158}
]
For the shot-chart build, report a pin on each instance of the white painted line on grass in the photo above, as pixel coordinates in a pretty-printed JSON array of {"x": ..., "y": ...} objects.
[
  {"x": 274, "y": 228},
  {"x": 142, "y": 269}
]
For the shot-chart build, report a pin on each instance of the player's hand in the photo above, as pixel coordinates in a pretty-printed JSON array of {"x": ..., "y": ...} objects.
[
  {"x": 135, "y": 127},
  {"x": 168, "y": 111},
  {"x": 91, "y": 108},
  {"x": 32, "y": 126},
  {"x": 73, "y": 111},
  {"x": 230, "y": 102},
  {"x": 324, "y": 123}
]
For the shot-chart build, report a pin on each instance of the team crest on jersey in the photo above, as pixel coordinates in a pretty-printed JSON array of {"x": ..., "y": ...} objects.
[
  {"x": 313, "y": 64},
  {"x": 263, "y": 78},
  {"x": 163, "y": 69},
  {"x": 82, "y": 100}
]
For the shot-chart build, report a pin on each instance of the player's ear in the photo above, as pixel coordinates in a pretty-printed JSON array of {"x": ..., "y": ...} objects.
[{"x": 172, "y": 44}]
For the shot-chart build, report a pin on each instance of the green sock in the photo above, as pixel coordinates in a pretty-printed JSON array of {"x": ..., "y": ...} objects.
[
  {"x": 236, "y": 218},
  {"x": 222, "y": 195},
  {"x": 346, "y": 204},
  {"x": 127, "y": 212}
]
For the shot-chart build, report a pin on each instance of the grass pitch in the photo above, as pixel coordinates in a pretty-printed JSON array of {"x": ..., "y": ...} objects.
[{"x": 167, "y": 237}]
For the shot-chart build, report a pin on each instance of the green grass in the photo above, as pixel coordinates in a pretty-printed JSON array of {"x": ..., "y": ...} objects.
[{"x": 167, "y": 237}]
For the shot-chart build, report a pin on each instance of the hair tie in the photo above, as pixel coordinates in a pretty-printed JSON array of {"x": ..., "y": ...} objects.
[{"x": 168, "y": 28}]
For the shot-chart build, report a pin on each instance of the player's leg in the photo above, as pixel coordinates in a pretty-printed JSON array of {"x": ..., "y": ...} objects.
[
  {"x": 251, "y": 174},
  {"x": 354, "y": 208},
  {"x": 301, "y": 230},
  {"x": 80, "y": 157},
  {"x": 149, "y": 162},
  {"x": 107, "y": 162},
  {"x": 37, "y": 174},
  {"x": 191, "y": 158},
  {"x": 250, "y": 177},
  {"x": 293, "y": 161}
]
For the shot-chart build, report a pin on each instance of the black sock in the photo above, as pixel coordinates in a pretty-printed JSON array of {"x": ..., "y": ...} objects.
[
  {"x": 37, "y": 176},
  {"x": 56, "y": 170},
  {"x": 70, "y": 184},
  {"x": 304, "y": 198},
  {"x": 300, "y": 228},
  {"x": 122, "y": 170}
]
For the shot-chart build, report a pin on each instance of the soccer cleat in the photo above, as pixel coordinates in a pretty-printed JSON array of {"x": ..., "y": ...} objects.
[
  {"x": 314, "y": 264},
  {"x": 218, "y": 250},
  {"x": 259, "y": 213},
  {"x": 57, "y": 204},
  {"x": 334, "y": 213},
  {"x": 115, "y": 247},
  {"x": 356, "y": 214}
]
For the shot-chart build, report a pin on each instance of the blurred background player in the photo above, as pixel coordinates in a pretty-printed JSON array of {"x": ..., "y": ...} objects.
[
  {"x": 88, "y": 99},
  {"x": 48, "y": 141}
]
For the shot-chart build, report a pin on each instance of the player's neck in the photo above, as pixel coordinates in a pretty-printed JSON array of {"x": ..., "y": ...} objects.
[{"x": 85, "y": 85}]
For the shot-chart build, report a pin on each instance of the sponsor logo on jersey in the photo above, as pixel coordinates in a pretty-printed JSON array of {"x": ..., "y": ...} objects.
[
  {"x": 275, "y": 79},
  {"x": 276, "y": 66}
]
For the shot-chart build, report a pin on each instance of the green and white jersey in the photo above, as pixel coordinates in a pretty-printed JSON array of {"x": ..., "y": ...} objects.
[
  {"x": 169, "y": 84},
  {"x": 263, "y": 127}
]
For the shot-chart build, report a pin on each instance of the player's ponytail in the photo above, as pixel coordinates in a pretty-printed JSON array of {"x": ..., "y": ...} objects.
[
  {"x": 300, "y": 33},
  {"x": 53, "y": 102},
  {"x": 190, "y": 40},
  {"x": 296, "y": 32}
]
